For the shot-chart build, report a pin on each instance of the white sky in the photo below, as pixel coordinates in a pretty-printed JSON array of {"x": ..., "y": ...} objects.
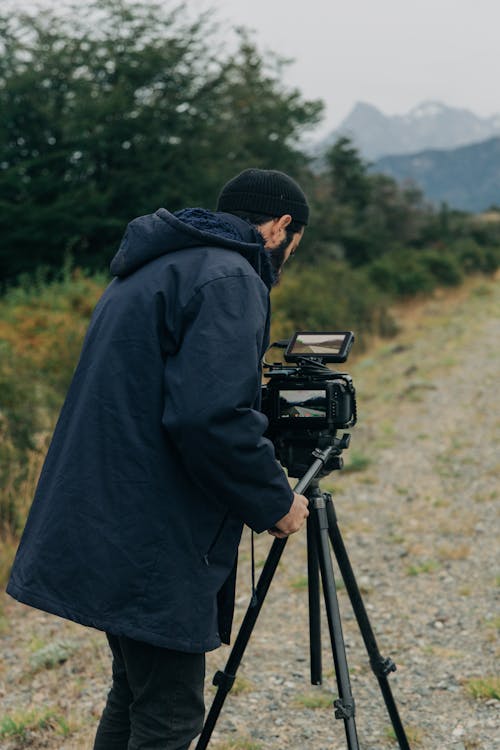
[{"x": 391, "y": 53}]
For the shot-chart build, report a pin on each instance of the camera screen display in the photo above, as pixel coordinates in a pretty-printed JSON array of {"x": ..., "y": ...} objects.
[
  {"x": 302, "y": 404},
  {"x": 329, "y": 347}
]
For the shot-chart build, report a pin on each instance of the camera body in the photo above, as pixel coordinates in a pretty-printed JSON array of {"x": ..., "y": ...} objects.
[
  {"x": 298, "y": 401},
  {"x": 305, "y": 400}
]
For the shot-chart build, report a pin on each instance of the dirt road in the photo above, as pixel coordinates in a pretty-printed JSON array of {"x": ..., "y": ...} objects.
[{"x": 418, "y": 508}]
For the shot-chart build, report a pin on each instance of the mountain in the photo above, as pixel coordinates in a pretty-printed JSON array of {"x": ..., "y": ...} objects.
[
  {"x": 429, "y": 125},
  {"x": 466, "y": 178}
]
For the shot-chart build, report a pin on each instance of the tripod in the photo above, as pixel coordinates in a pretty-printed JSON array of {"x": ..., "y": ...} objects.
[{"x": 322, "y": 528}]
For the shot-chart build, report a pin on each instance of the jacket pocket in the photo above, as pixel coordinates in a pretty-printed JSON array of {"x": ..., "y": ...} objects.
[{"x": 215, "y": 539}]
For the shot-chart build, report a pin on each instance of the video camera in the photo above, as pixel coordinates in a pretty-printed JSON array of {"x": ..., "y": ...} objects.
[{"x": 305, "y": 400}]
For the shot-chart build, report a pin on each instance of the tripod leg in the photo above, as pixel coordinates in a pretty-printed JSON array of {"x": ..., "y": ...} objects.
[
  {"x": 224, "y": 680},
  {"x": 314, "y": 605},
  {"x": 345, "y": 704},
  {"x": 381, "y": 667}
]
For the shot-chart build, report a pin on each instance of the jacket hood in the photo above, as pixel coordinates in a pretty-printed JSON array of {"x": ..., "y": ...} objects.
[{"x": 151, "y": 236}]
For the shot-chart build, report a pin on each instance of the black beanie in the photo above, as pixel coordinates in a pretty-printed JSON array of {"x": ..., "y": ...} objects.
[{"x": 264, "y": 191}]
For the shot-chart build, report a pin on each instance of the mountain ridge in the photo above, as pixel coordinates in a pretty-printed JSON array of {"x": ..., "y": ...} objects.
[
  {"x": 430, "y": 124},
  {"x": 466, "y": 178}
]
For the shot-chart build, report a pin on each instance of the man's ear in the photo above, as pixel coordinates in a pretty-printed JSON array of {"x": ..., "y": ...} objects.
[
  {"x": 283, "y": 221},
  {"x": 273, "y": 231}
]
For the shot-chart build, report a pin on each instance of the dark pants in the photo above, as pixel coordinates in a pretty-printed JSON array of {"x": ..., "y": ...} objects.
[{"x": 156, "y": 700}]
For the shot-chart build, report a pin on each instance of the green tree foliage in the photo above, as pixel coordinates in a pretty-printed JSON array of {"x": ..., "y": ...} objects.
[
  {"x": 404, "y": 246},
  {"x": 359, "y": 215},
  {"x": 260, "y": 121},
  {"x": 350, "y": 183},
  {"x": 116, "y": 108}
]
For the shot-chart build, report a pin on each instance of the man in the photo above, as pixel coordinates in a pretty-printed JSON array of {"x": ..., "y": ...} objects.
[{"x": 158, "y": 457}]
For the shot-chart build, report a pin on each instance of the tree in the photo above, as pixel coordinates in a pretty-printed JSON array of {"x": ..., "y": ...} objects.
[
  {"x": 264, "y": 119},
  {"x": 118, "y": 108},
  {"x": 348, "y": 172},
  {"x": 362, "y": 215}
]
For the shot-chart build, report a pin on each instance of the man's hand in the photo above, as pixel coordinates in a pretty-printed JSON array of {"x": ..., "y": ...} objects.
[{"x": 293, "y": 520}]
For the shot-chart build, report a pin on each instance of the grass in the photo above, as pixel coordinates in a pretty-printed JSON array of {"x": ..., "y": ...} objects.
[
  {"x": 402, "y": 490},
  {"x": 414, "y": 735},
  {"x": 485, "y": 497},
  {"x": 492, "y": 625},
  {"x": 442, "y": 652},
  {"x": 356, "y": 462},
  {"x": 240, "y": 743},
  {"x": 8, "y": 546},
  {"x": 4, "y": 624},
  {"x": 241, "y": 685},
  {"x": 483, "y": 688},
  {"x": 51, "y": 655},
  {"x": 426, "y": 566},
  {"x": 395, "y": 537},
  {"x": 482, "y": 290},
  {"x": 19, "y": 724},
  {"x": 300, "y": 584},
  {"x": 441, "y": 502},
  {"x": 454, "y": 552},
  {"x": 316, "y": 700}
]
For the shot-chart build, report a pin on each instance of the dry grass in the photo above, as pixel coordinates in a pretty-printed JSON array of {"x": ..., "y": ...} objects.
[{"x": 483, "y": 688}]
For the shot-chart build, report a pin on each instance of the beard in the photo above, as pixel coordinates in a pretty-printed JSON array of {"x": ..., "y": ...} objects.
[{"x": 277, "y": 257}]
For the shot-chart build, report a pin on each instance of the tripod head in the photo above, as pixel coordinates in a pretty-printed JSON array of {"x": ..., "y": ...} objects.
[{"x": 296, "y": 451}]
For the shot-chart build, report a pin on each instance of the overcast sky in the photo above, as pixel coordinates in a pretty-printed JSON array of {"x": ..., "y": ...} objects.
[{"x": 391, "y": 53}]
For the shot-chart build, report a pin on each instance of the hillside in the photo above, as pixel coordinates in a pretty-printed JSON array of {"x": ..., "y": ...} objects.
[
  {"x": 417, "y": 509},
  {"x": 466, "y": 178},
  {"x": 429, "y": 125}
]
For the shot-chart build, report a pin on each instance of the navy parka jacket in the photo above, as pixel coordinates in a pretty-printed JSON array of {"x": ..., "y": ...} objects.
[{"x": 158, "y": 457}]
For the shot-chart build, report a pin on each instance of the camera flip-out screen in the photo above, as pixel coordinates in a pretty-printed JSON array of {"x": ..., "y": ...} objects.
[
  {"x": 333, "y": 346},
  {"x": 315, "y": 404},
  {"x": 308, "y": 404}
]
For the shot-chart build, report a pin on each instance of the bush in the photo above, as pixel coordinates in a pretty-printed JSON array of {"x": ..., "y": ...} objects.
[
  {"x": 476, "y": 258},
  {"x": 42, "y": 324},
  {"x": 19, "y": 421},
  {"x": 331, "y": 296},
  {"x": 401, "y": 274},
  {"x": 443, "y": 266},
  {"x": 43, "y": 320}
]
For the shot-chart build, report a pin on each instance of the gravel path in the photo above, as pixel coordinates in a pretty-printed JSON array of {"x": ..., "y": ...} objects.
[{"x": 418, "y": 511}]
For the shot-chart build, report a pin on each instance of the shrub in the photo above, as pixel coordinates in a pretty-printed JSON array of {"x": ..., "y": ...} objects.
[
  {"x": 473, "y": 257},
  {"x": 42, "y": 324},
  {"x": 400, "y": 274},
  {"x": 331, "y": 296},
  {"x": 443, "y": 266}
]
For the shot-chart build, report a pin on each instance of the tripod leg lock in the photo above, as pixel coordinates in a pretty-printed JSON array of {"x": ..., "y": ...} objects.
[
  {"x": 223, "y": 681},
  {"x": 345, "y": 710},
  {"x": 382, "y": 667}
]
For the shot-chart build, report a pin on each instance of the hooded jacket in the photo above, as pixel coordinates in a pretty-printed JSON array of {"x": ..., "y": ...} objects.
[{"x": 159, "y": 456}]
